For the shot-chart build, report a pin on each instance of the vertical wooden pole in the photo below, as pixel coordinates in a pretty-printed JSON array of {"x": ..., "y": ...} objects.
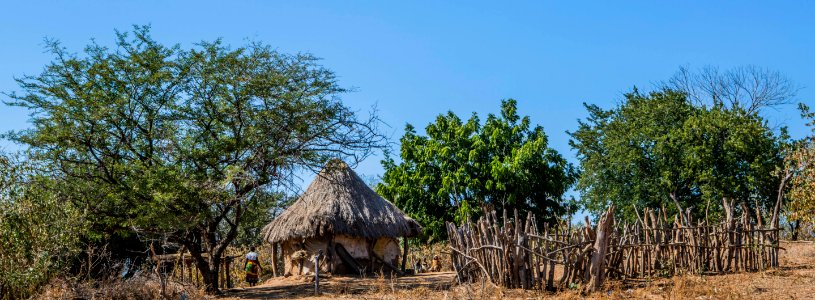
[
  {"x": 331, "y": 254},
  {"x": 404, "y": 252},
  {"x": 598, "y": 270},
  {"x": 370, "y": 246},
  {"x": 317, "y": 272},
  {"x": 190, "y": 270},
  {"x": 183, "y": 265},
  {"x": 274, "y": 260},
  {"x": 228, "y": 276}
]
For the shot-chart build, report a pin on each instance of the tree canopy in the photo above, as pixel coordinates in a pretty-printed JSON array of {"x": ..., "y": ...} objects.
[
  {"x": 461, "y": 165},
  {"x": 660, "y": 150},
  {"x": 801, "y": 163},
  {"x": 157, "y": 140}
]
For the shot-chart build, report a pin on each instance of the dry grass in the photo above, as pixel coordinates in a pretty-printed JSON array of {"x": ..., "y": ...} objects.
[
  {"x": 136, "y": 288},
  {"x": 425, "y": 254}
]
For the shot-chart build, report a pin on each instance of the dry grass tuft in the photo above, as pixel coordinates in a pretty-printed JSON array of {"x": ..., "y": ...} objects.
[{"x": 137, "y": 288}]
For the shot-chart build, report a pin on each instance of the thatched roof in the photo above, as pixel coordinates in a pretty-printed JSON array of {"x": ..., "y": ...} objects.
[{"x": 339, "y": 202}]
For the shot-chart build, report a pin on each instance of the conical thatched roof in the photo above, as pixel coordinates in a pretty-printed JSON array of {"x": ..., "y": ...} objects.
[{"x": 339, "y": 202}]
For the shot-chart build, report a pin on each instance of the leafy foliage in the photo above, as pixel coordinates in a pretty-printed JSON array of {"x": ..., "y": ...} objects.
[
  {"x": 801, "y": 160},
  {"x": 39, "y": 233},
  {"x": 659, "y": 150},
  {"x": 461, "y": 165},
  {"x": 733, "y": 155}
]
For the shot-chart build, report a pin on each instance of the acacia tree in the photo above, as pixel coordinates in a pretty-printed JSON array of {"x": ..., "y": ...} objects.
[
  {"x": 158, "y": 140},
  {"x": 460, "y": 166}
]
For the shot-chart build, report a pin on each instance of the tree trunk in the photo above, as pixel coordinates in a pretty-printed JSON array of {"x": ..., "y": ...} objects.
[
  {"x": 205, "y": 238},
  {"x": 683, "y": 218},
  {"x": 210, "y": 265},
  {"x": 209, "y": 273},
  {"x": 746, "y": 212},
  {"x": 774, "y": 221},
  {"x": 211, "y": 279}
]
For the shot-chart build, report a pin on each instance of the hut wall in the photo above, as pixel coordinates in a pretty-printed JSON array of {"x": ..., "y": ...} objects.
[
  {"x": 387, "y": 248},
  {"x": 356, "y": 246},
  {"x": 312, "y": 246}
]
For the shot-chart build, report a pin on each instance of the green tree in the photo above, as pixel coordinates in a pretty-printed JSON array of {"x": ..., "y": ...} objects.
[
  {"x": 733, "y": 156},
  {"x": 659, "y": 150},
  {"x": 632, "y": 156},
  {"x": 179, "y": 143},
  {"x": 460, "y": 166},
  {"x": 800, "y": 166}
]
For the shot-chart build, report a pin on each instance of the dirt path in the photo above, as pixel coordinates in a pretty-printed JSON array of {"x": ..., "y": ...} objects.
[{"x": 342, "y": 287}]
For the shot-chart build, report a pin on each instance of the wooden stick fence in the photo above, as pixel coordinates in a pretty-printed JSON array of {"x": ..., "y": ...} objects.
[
  {"x": 515, "y": 253},
  {"x": 185, "y": 270}
]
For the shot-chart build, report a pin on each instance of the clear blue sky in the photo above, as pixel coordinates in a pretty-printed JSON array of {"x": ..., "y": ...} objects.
[{"x": 416, "y": 60}]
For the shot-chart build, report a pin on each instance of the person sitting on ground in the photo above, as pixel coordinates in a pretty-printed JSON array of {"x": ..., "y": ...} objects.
[
  {"x": 435, "y": 265},
  {"x": 252, "y": 267}
]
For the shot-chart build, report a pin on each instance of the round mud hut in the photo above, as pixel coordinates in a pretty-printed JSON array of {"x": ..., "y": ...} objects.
[{"x": 338, "y": 214}]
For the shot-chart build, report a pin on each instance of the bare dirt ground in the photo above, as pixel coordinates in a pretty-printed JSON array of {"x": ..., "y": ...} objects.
[
  {"x": 795, "y": 279},
  {"x": 343, "y": 287}
]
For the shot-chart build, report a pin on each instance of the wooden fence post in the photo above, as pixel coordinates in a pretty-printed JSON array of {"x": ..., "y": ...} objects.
[
  {"x": 274, "y": 260},
  {"x": 404, "y": 252},
  {"x": 317, "y": 272},
  {"x": 517, "y": 255},
  {"x": 228, "y": 276},
  {"x": 598, "y": 266}
]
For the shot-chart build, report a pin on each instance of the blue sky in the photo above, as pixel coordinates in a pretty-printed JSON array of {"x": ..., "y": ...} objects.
[{"x": 416, "y": 60}]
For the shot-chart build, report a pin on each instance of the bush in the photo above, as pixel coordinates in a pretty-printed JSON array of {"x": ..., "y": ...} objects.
[{"x": 39, "y": 231}]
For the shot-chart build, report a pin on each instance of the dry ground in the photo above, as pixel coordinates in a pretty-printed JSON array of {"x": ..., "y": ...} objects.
[{"x": 795, "y": 279}]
